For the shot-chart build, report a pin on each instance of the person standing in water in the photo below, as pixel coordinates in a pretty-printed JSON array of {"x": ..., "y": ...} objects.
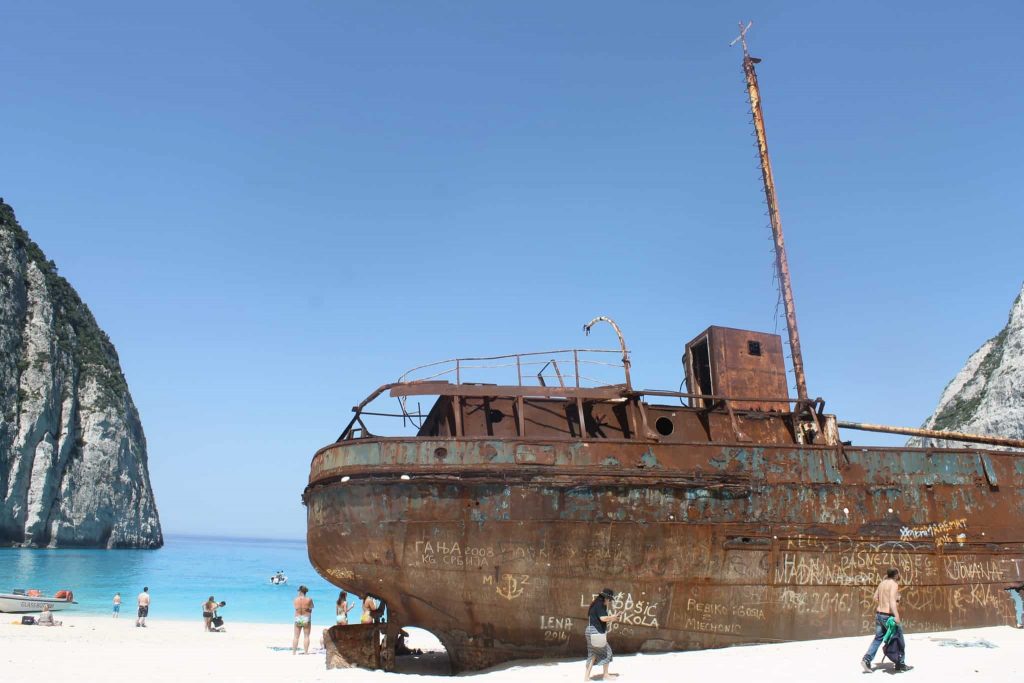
[
  {"x": 303, "y": 619},
  {"x": 117, "y": 605}
]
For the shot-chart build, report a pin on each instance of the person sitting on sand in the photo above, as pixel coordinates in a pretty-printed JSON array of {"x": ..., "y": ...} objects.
[
  {"x": 342, "y": 608},
  {"x": 46, "y": 618},
  {"x": 303, "y": 618},
  {"x": 209, "y": 607},
  {"x": 215, "y": 619},
  {"x": 401, "y": 649}
]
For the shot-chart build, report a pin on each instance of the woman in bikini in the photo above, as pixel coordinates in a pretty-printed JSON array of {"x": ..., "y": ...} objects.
[
  {"x": 371, "y": 610},
  {"x": 208, "y": 608},
  {"x": 343, "y": 608},
  {"x": 303, "y": 618}
]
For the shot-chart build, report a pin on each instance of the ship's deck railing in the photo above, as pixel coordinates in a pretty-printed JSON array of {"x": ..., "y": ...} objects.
[
  {"x": 564, "y": 368},
  {"x": 534, "y": 368},
  {"x": 567, "y": 369},
  {"x": 559, "y": 374},
  {"x": 554, "y": 380}
]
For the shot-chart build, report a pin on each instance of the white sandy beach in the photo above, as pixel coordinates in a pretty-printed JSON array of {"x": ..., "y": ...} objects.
[{"x": 92, "y": 648}]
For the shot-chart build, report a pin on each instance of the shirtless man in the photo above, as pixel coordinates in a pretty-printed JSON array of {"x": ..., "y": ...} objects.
[
  {"x": 143, "y": 608},
  {"x": 303, "y": 618},
  {"x": 886, "y": 605}
]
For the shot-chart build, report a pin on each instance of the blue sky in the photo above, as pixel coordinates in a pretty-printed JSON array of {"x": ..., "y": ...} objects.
[{"x": 274, "y": 208}]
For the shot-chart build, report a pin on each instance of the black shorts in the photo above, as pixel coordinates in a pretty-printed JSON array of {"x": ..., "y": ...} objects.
[{"x": 143, "y": 611}]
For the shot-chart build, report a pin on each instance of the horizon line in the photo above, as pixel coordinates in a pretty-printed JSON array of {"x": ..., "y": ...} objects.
[{"x": 190, "y": 534}]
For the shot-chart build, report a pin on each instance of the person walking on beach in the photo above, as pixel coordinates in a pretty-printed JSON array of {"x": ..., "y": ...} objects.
[
  {"x": 117, "y": 605},
  {"x": 342, "y": 608},
  {"x": 598, "y": 649},
  {"x": 1017, "y": 594},
  {"x": 303, "y": 619},
  {"x": 886, "y": 605}
]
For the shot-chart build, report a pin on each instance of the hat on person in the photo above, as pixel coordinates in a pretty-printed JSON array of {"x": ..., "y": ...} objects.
[{"x": 608, "y": 593}]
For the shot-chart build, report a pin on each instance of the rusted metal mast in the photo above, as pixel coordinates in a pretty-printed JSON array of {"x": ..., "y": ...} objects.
[{"x": 773, "y": 211}]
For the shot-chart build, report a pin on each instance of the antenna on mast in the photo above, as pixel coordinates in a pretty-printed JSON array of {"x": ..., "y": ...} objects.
[
  {"x": 781, "y": 264},
  {"x": 742, "y": 37}
]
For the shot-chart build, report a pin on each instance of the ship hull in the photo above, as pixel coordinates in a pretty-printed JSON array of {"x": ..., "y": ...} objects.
[{"x": 499, "y": 546}]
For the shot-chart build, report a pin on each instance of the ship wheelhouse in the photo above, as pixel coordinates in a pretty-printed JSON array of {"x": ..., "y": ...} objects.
[{"x": 736, "y": 381}]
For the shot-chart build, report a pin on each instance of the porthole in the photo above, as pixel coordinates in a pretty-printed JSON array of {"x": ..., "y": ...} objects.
[{"x": 664, "y": 426}]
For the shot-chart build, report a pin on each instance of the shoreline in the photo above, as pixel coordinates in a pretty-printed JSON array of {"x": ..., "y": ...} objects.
[
  {"x": 95, "y": 648},
  {"x": 129, "y": 615}
]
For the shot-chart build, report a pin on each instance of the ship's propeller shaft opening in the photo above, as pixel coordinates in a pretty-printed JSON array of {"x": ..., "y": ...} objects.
[{"x": 421, "y": 652}]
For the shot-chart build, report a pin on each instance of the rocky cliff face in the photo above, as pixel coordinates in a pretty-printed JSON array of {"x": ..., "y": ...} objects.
[
  {"x": 987, "y": 396},
  {"x": 73, "y": 465}
]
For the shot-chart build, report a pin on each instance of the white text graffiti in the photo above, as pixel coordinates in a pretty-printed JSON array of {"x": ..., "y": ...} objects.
[
  {"x": 633, "y": 612},
  {"x": 940, "y": 532}
]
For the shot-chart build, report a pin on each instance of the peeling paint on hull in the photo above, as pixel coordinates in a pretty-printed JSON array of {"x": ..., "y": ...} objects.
[{"x": 707, "y": 545}]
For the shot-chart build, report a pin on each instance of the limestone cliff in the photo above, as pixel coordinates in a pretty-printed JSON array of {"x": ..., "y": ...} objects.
[
  {"x": 73, "y": 465},
  {"x": 987, "y": 396}
]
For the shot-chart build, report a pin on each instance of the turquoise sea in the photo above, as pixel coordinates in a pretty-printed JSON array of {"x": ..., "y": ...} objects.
[{"x": 180, "y": 576}]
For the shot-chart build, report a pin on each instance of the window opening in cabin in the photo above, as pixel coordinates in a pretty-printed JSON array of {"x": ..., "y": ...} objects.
[{"x": 700, "y": 361}]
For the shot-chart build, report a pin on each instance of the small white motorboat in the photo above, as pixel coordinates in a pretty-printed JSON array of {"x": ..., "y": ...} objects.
[
  {"x": 33, "y": 601},
  {"x": 279, "y": 579}
]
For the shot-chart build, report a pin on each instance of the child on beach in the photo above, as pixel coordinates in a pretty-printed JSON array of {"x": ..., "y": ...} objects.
[
  {"x": 117, "y": 605},
  {"x": 303, "y": 618}
]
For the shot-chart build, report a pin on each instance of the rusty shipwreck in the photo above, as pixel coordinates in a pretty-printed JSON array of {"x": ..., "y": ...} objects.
[{"x": 729, "y": 513}]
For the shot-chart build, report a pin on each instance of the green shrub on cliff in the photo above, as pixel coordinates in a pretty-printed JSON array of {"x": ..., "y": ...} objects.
[{"x": 78, "y": 335}]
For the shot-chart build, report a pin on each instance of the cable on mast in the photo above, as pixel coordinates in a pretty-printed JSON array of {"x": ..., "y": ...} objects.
[{"x": 768, "y": 179}]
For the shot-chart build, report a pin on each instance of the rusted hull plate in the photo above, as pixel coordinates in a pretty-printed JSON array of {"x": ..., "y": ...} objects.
[
  {"x": 350, "y": 645},
  {"x": 758, "y": 545}
]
